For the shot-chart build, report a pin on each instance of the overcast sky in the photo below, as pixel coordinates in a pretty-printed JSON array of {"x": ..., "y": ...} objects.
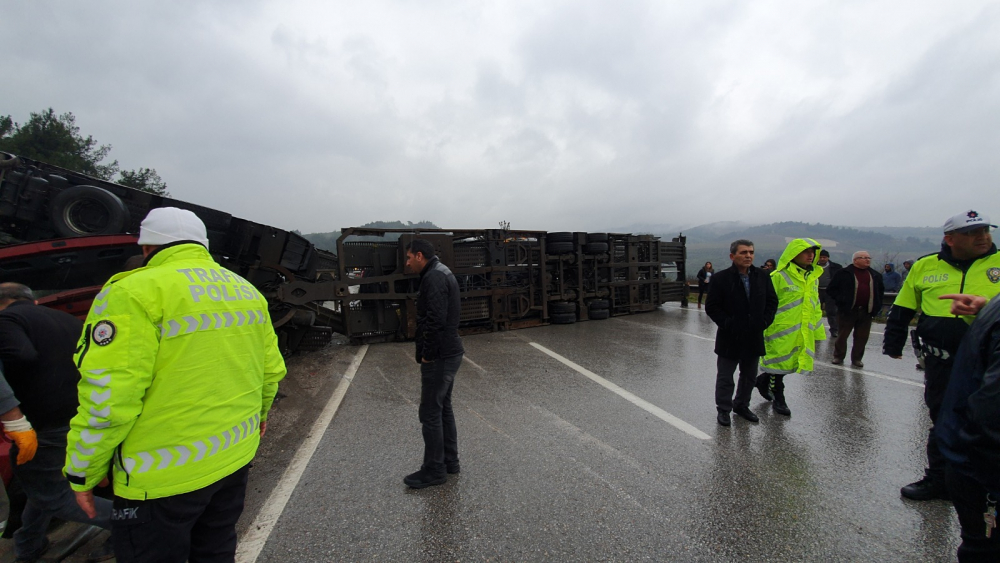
[{"x": 553, "y": 115}]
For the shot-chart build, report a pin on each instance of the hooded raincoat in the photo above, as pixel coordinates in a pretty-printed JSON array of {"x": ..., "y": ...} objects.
[{"x": 790, "y": 341}]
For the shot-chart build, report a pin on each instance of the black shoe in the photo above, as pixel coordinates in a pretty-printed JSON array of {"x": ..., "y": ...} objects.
[
  {"x": 723, "y": 418},
  {"x": 925, "y": 489},
  {"x": 454, "y": 468},
  {"x": 834, "y": 333},
  {"x": 746, "y": 413},
  {"x": 764, "y": 387},
  {"x": 36, "y": 557},
  {"x": 781, "y": 407},
  {"x": 424, "y": 478},
  {"x": 837, "y": 362},
  {"x": 102, "y": 552},
  {"x": 857, "y": 365}
]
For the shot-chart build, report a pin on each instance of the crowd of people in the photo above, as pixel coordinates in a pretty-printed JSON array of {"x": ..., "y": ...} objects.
[{"x": 770, "y": 319}]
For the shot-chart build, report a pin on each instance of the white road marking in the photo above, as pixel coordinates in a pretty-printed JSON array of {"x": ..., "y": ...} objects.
[
  {"x": 644, "y": 405},
  {"x": 872, "y": 374},
  {"x": 256, "y": 536}
]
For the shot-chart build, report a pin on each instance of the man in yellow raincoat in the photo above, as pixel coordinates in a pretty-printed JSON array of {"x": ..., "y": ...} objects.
[{"x": 790, "y": 341}]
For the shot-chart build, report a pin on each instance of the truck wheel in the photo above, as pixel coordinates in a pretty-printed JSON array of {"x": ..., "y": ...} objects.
[
  {"x": 562, "y": 307},
  {"x": 599, "y": 314},
  {"x": 599, "y": 304},
  {"x": 597, "y": 237},
  {"x": 559, "y": 237},
  {"x": 562, "y": 318},
  {"x": 82, "y": 211},
  {"x": 595, "y": 248},
  {"x": 8, "y": 161},
  {"x": 559, "y": 247}
]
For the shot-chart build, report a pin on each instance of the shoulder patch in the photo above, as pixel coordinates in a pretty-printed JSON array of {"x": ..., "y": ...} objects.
[
  {"x": 103, "y": 333},
  {"x": 993, "y": 274}
]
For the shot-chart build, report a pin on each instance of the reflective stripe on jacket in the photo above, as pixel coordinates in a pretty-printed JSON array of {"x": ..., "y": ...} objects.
[
  {"x": 790, "y": 341},
  {"x": 179, "y": 365}
]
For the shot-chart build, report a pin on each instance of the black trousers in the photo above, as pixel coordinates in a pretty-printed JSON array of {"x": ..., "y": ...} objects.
[
  {"x": 437, "y": 419},
  {"x": 969, "y": 498},
  {"x": 937, "y": 373},
  {"x": 726, "y": 367},
  {"x": 199, "y": 526},
  {"x": 858, "y": 321}
]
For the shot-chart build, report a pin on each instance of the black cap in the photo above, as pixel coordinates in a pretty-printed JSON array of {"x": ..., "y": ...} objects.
[{"x": 824, "y": 253}]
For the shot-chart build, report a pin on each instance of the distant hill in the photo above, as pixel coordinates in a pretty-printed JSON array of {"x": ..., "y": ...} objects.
[
  {"x": 710, "y": 243},
  {"x": 328, "y": 241}
]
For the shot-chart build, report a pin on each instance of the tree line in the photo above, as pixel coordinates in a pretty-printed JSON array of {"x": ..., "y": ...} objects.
[{"x": 56, "y": 140}]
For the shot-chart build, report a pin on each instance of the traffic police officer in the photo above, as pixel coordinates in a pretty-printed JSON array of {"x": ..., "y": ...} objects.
[
  {"x": 967, "y": 263},
  {"x": 180, "y": 366}
]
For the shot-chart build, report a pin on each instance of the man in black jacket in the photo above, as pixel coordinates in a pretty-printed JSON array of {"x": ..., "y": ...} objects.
[
  {"x": 742, "y": 301},
  {"x": 968, "y": 430},
  {"x": 36, "y": 347},
  {"x": 858, "y": 291},
  {"x": 439, "y": 352},
  {"x": 830, "y": 269}
]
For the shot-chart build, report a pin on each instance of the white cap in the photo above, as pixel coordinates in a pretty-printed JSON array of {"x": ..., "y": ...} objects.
[
  {"x": 967, "y": 221},
  {"x": 165, "y": 225}
]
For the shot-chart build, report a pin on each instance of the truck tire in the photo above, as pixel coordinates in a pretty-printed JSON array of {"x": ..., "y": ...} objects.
[
  {"x": 599, "y": 304},
  {"x": 559, "y": 237},
  {"x": 597, "y": 237},
  {"x": 559, "y": 247},
  {"x": 562, "y": 318},
  {"x": 562, "y": 307},
  {"x": 595, "y": 248},
  {"x": 598, "y": 314},
  {"x": 87, "y": 210},
  {"x": 8, "y": 161}
]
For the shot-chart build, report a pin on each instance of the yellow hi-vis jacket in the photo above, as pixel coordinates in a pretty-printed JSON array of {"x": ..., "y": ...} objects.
[
  {"x": 179, "y": 366},
  {"x": 790, "y": 341}
]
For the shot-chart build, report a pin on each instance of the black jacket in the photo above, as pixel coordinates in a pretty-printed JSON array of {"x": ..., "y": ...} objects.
[
  {"x": 968, "y": 425},
  {"x": 439, "y": 310},
  {"x": 741, "y": 321},
  {"x": 843, "y": 286},
  {"x": 36, "y": 347}
]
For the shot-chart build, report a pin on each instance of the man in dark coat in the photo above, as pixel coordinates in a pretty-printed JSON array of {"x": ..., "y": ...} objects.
[
  {"x": 742, "y": 301},
  {"x": 968, "y": 429},
  {"x": 829, "y": 305},
  {"x": 439, "y": 352},
  {"x": 858, "y": 291}
]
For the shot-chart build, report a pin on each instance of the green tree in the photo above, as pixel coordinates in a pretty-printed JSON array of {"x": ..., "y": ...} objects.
[
  {"x": 56, "y": 140},
  {"x": 145, "y": 179}
]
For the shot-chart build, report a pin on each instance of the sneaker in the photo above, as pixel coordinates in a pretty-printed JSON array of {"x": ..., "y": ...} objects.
[
  {"x": 837, "y": 362},
  {"x": 746, "y": 413},
  {"x": 423, "y": 478},
  {"x": 925, "y": 489},
  {"x": 858, "y": 365},
  {"x": 764, "y": 387},
  {"x": 723, "y": 418}
]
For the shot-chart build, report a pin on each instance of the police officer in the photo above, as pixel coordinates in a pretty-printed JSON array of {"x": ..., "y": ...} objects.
[
  {"x": 179, "y": 366},
  {"x": 967, "y": 263}
]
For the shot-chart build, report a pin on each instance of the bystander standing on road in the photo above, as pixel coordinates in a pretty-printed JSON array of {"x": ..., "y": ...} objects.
[
  {"x": 968, "y": 262},
  {"x": 36, "y": 347},
  {"x": 177, "y": 384},
  {"x": 439, "y": 352},
  {"x": 891, "y": 279},
  {"x": 857, "y": 290},
  {"x": 704, "y": 280},
  {"x": 829, "y": 269},
  {"x": 905, "y": 271},
  {"x": 742, "y": 302},
  {"x": 769, "y": 265},
  {"x": 968, "y": 430},
  {"x": 790, "y": 341}
]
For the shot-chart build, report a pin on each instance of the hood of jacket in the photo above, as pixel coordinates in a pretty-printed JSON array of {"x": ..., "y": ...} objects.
[
  {"x": 892, "y": 267},
  {"x": 794, "y": 248}
]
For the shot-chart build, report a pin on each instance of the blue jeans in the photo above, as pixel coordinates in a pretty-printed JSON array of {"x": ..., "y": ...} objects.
[
  {"x": 437, "y": 379},
  {"x": 49, "y": 494}
]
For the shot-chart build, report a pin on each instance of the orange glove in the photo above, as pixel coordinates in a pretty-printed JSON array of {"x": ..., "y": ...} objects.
[{"x": 21, "y": 433}]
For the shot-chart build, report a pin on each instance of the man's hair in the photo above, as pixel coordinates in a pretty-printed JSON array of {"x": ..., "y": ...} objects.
[
  {"x": 824, "y": 253},
  {"x": 11, "y": 291},
  {"x": 738, "y": 243},
  {"x": 422, "y": 246},
  {"x": 856, "y": 254}
]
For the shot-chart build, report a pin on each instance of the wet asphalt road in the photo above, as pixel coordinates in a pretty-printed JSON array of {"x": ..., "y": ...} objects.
[{"x": 558, "y": 467}]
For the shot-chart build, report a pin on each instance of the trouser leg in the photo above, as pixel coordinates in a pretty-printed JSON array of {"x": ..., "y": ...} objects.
[
  {"x": 437, "y": 380},
  {"x": 862, "y": 330},
  {"x": 778, "y": 386},
  {"x": 969, "y": 498},
  {"x": 746, "y": 381},
  {"x": 448, "y": 428},
  {"x": 831, "y": 315},
  {"x": 846, "y": 323},
  {"x": 937, "y": 373},
  {"x": 49, "y": 495},
  {"x": 725, "y": 368},
  {"x": 199, "y": 526}
]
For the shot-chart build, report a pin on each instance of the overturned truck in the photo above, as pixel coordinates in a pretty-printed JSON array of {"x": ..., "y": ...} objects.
[{"x": 64, "y": 234}]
